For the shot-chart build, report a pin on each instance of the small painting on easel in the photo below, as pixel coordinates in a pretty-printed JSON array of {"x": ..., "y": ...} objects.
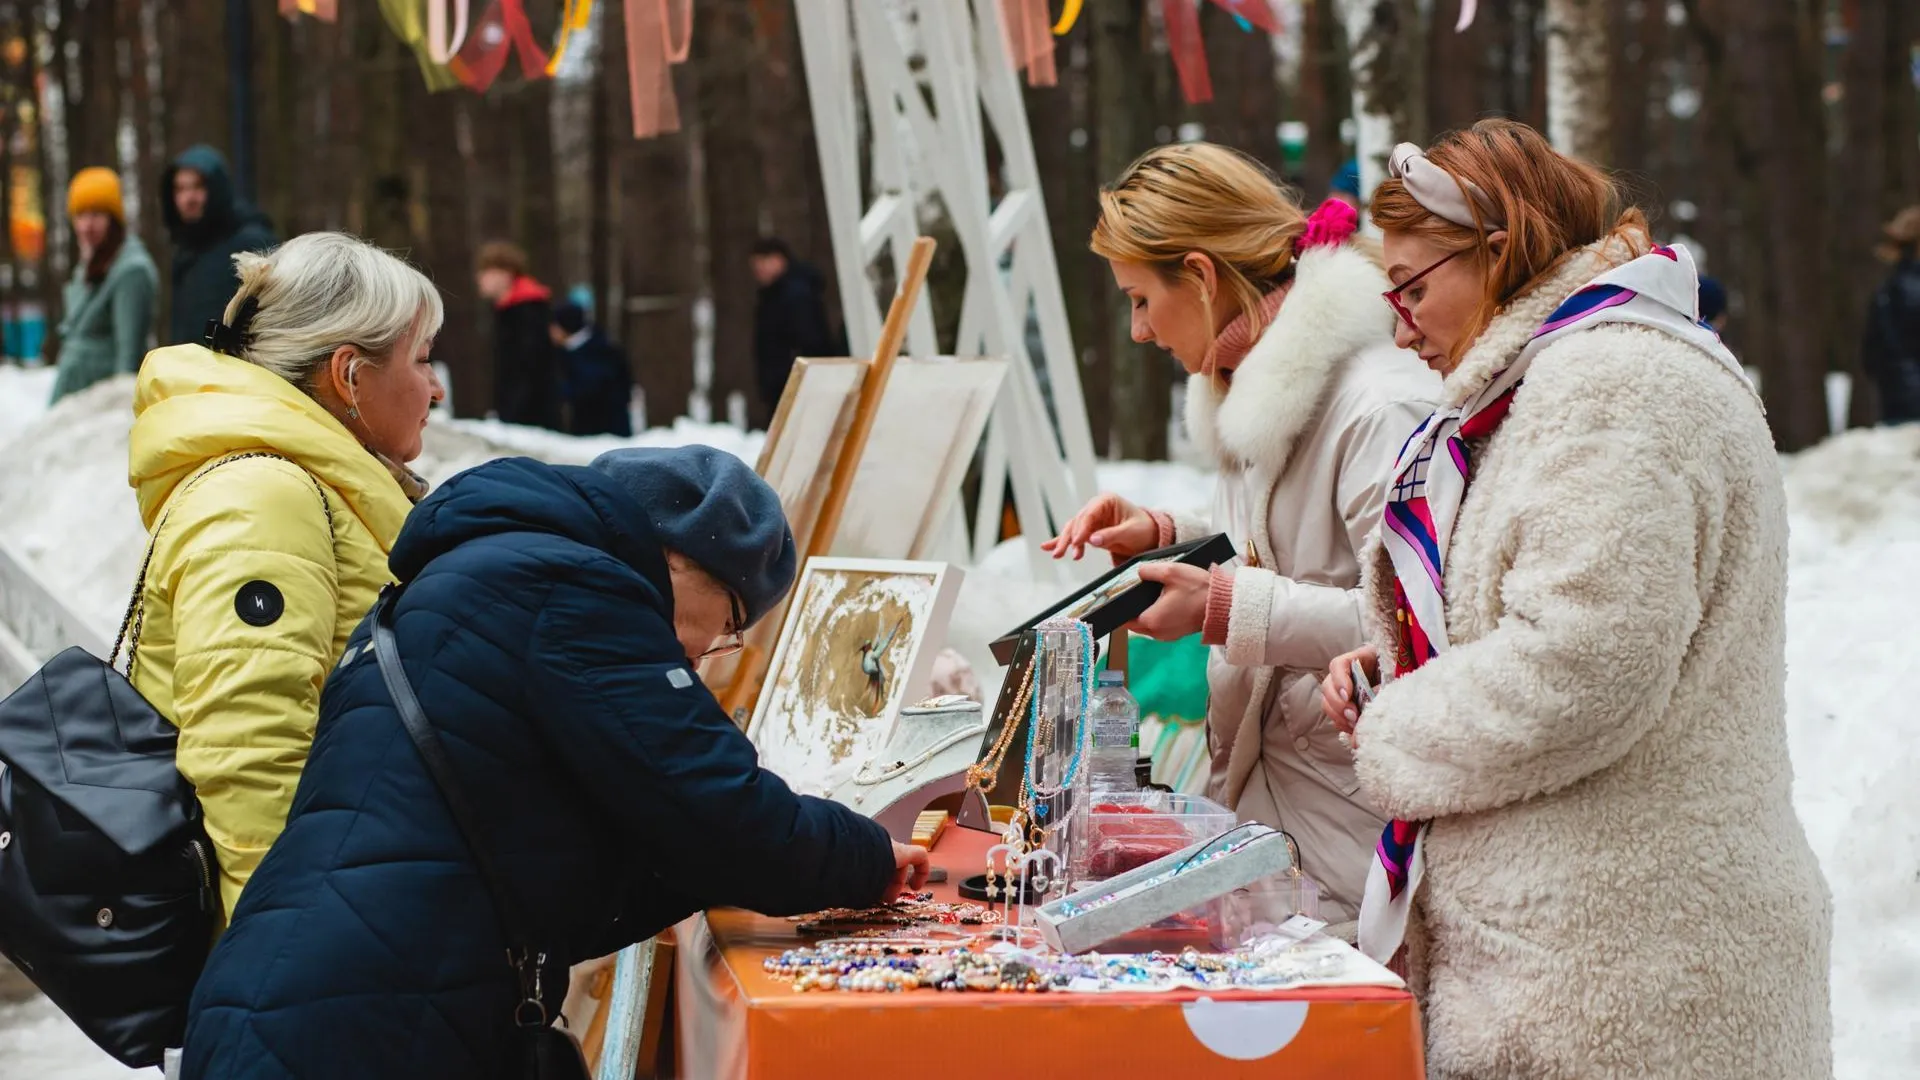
[{"x": 858, "y": 643}]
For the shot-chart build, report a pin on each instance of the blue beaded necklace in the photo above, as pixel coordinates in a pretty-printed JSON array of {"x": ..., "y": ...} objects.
[{"x": 1034, "y": 792}]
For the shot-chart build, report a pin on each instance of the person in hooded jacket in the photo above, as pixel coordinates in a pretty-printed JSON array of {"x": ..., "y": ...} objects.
[
  {"x": 598, "y": 387},
  {"x": 109, "y": 302},
  {"x": 1578, "y": 601},
  {"x": 271, "y": 476},
  {"x": 789, "y": 321},
  {"x": 1890, "y": 350},
  {"x": 208, "y": 225},
  {"x": 550, "y": 625},
  {"x": 1296, "y": 389}
]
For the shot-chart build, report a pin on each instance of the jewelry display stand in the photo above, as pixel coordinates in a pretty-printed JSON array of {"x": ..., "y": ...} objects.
[{"x": 926, "y": 758}]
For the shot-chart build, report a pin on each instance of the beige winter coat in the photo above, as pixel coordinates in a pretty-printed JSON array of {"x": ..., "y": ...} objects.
[
  {"x": 1305, "y": 439},
  {"x": 1616, "y": 884}
]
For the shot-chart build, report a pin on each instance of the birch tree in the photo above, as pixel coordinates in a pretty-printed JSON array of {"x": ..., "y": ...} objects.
[{"x": 1578, "y": 114}]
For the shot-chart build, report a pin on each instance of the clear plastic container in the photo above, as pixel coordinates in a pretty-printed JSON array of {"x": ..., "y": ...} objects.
[
  {"x": 1131, "y": 829},
  {"x": 1256, "y": 909}
]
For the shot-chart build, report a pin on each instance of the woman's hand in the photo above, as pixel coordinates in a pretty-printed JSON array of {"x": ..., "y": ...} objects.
[
  {"x": 1182, "y": 607},
  {"x": 1336, "y": 690},
  {"x": 1109, "y": 523},
  {"x": 909, "y": 869}
]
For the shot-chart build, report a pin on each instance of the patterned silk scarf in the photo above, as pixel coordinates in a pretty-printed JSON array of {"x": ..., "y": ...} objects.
[{"x": 1658, "y": 290}]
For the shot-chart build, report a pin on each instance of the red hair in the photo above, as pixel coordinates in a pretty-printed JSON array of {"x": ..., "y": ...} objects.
[{"x": 1551, "y": 206}]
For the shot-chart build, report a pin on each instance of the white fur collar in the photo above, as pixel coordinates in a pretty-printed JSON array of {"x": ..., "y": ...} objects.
[
  {"x": 1333, "y": 311},
  {"x": 1500, "y": 343}
]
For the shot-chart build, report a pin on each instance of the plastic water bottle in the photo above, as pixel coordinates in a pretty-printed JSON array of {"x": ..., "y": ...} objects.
[{"x": 1115, "y": 717}]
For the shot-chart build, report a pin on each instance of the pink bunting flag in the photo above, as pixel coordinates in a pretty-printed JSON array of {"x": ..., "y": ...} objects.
[
  {"x": 1028, "y": 30},
  {"x": 659, "y": 35}
]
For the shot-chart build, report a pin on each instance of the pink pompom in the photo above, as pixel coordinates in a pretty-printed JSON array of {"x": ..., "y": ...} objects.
[{"x": 1329, "y": 226}]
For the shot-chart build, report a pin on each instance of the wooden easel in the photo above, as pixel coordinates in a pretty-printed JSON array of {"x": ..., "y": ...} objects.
[{"x": 750, "y": 672}]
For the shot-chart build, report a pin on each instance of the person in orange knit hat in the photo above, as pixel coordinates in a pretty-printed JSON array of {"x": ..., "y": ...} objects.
[{"x": 108, "y": 305}]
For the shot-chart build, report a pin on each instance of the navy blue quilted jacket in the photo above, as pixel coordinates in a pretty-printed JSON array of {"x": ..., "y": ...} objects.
[{"x": 537, "y": 631}]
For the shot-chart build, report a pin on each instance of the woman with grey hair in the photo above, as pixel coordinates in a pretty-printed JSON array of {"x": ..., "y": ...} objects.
[{"x": 270, "y": 467}]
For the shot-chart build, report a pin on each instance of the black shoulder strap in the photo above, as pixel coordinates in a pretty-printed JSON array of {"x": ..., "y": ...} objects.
[{"x": 513, "y": 920}]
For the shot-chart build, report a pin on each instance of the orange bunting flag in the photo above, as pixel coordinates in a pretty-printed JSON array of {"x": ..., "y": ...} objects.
[
  {"x": 1028, "y": 30},
  {"x": 324, "y": 10},
  {"x": 659, "y": 35}
]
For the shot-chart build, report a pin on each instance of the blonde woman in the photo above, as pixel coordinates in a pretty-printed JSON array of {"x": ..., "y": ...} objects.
[
  {"x": 270, "y": 469},
  {"x": 1595, "y": 868},
  {"x": 1297, "y": 392}
]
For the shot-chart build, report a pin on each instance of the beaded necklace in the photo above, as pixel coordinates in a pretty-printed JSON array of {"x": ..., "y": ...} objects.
[{"x": 1035, "y": 789}]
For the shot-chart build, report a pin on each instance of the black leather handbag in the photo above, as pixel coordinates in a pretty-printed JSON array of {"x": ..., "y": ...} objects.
[
  {"x": 107, "y": 890},
  {"x": 550, "y": 1053}
]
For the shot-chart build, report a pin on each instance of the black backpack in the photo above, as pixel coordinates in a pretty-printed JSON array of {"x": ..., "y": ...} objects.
[{"x": 108, "y": 895}]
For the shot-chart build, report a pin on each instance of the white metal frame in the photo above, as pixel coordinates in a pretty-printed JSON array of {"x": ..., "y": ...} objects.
[{"x": 920, "y": 152}]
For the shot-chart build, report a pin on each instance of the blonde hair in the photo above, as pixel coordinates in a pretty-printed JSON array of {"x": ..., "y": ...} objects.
[
  {"x": 1205, "y": 198},
  {"x": 318, "y": 292}
]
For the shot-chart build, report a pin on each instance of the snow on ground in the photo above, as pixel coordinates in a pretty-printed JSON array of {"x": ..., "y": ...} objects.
[
  {"x": 1854, "y": 570},
  {"x": 23, "y": 396}
]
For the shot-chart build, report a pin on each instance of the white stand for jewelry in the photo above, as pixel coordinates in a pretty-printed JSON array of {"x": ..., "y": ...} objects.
[{"x": 926, "y": 758}]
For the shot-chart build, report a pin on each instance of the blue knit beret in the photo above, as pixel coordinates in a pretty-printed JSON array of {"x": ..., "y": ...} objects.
[{"x": 708, "y": 505}]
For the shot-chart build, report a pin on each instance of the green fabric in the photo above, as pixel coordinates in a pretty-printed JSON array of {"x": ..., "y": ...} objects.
[
  {"x": 107, "y": 325},
  {"x": 1168, "y": 679}
]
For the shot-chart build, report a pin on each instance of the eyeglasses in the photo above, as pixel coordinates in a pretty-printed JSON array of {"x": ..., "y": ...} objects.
[
  {"x": 1392, "y": 296},
  {"x": 731, "y": 641}
]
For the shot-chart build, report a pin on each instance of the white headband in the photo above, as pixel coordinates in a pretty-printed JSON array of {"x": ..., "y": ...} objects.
[{"x": 1439, "y": 190}]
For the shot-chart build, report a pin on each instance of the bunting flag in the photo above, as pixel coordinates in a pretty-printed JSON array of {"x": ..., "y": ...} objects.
[
  {"x": 1467, "y": 11},
  {"x": 1189, "y": 50},
  {"x": 578, "y": 15},
  {"x": 502, "y": 30},
  {"x": 1069, "y": 14},
  {"x": 324, "y": 10},
  {"x": 659, "y": 35},
  {"x": 440, "y": 45},
  {"x": 1024, "y": 24},
  {"x": 408, "y": 21}
]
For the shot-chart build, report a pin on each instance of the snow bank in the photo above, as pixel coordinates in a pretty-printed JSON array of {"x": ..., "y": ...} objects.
[
  {"x": 1853, "y": 590},
  {"x": 23, "y": 396},
  {"x": 1854, "y": 570}
]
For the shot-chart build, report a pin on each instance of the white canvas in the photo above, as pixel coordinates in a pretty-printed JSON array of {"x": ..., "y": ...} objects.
[{"x": 824, "y": 712}]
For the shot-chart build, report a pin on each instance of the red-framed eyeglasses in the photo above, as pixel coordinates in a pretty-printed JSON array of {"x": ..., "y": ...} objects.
[{"x": 1392, "y": 296}]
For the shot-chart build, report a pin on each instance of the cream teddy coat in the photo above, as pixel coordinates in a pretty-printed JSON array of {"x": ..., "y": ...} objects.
[
  {"x": 1305, "y": 438},
  {"x": 1616, "y": 884}
]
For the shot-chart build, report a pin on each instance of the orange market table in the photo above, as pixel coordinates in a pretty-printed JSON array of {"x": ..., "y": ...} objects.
[{"x": 736, "y": 1022}]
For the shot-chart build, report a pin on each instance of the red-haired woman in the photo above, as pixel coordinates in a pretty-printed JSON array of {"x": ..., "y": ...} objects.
[{"x": 1579, "y": 594}]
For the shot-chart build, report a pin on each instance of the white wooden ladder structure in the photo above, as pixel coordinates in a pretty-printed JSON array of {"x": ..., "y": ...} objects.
[{"x": 920, "y": 152}]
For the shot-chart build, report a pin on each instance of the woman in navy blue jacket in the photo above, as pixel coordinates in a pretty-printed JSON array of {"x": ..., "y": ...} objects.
[{"x": 550, "y": 625}]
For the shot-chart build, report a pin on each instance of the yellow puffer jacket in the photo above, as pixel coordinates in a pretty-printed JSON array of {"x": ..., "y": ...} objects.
[{"x": 248, "y": 602}]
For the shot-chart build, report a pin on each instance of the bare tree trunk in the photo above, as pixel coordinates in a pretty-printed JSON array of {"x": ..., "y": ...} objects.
[
  {"x": 794, "y": 206},
  {"x": 608, "y": 83},
  {"x": 731, "y": 181},
  {"x": 1578, "y": 114},
  {"x": 1245, "y": 110},
  {"x": 1873, "y": 175},
  {"x": 654, "y": 279},
  {"x": 1389, "y": 78},
  {"x": 1326, "y": 96},
  {"x": 1068, "y": 184},
  {"x": 1123, "y": 128},
  {"x": 445, "y": 240},
  {"x": 1763, "y": 88}
]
